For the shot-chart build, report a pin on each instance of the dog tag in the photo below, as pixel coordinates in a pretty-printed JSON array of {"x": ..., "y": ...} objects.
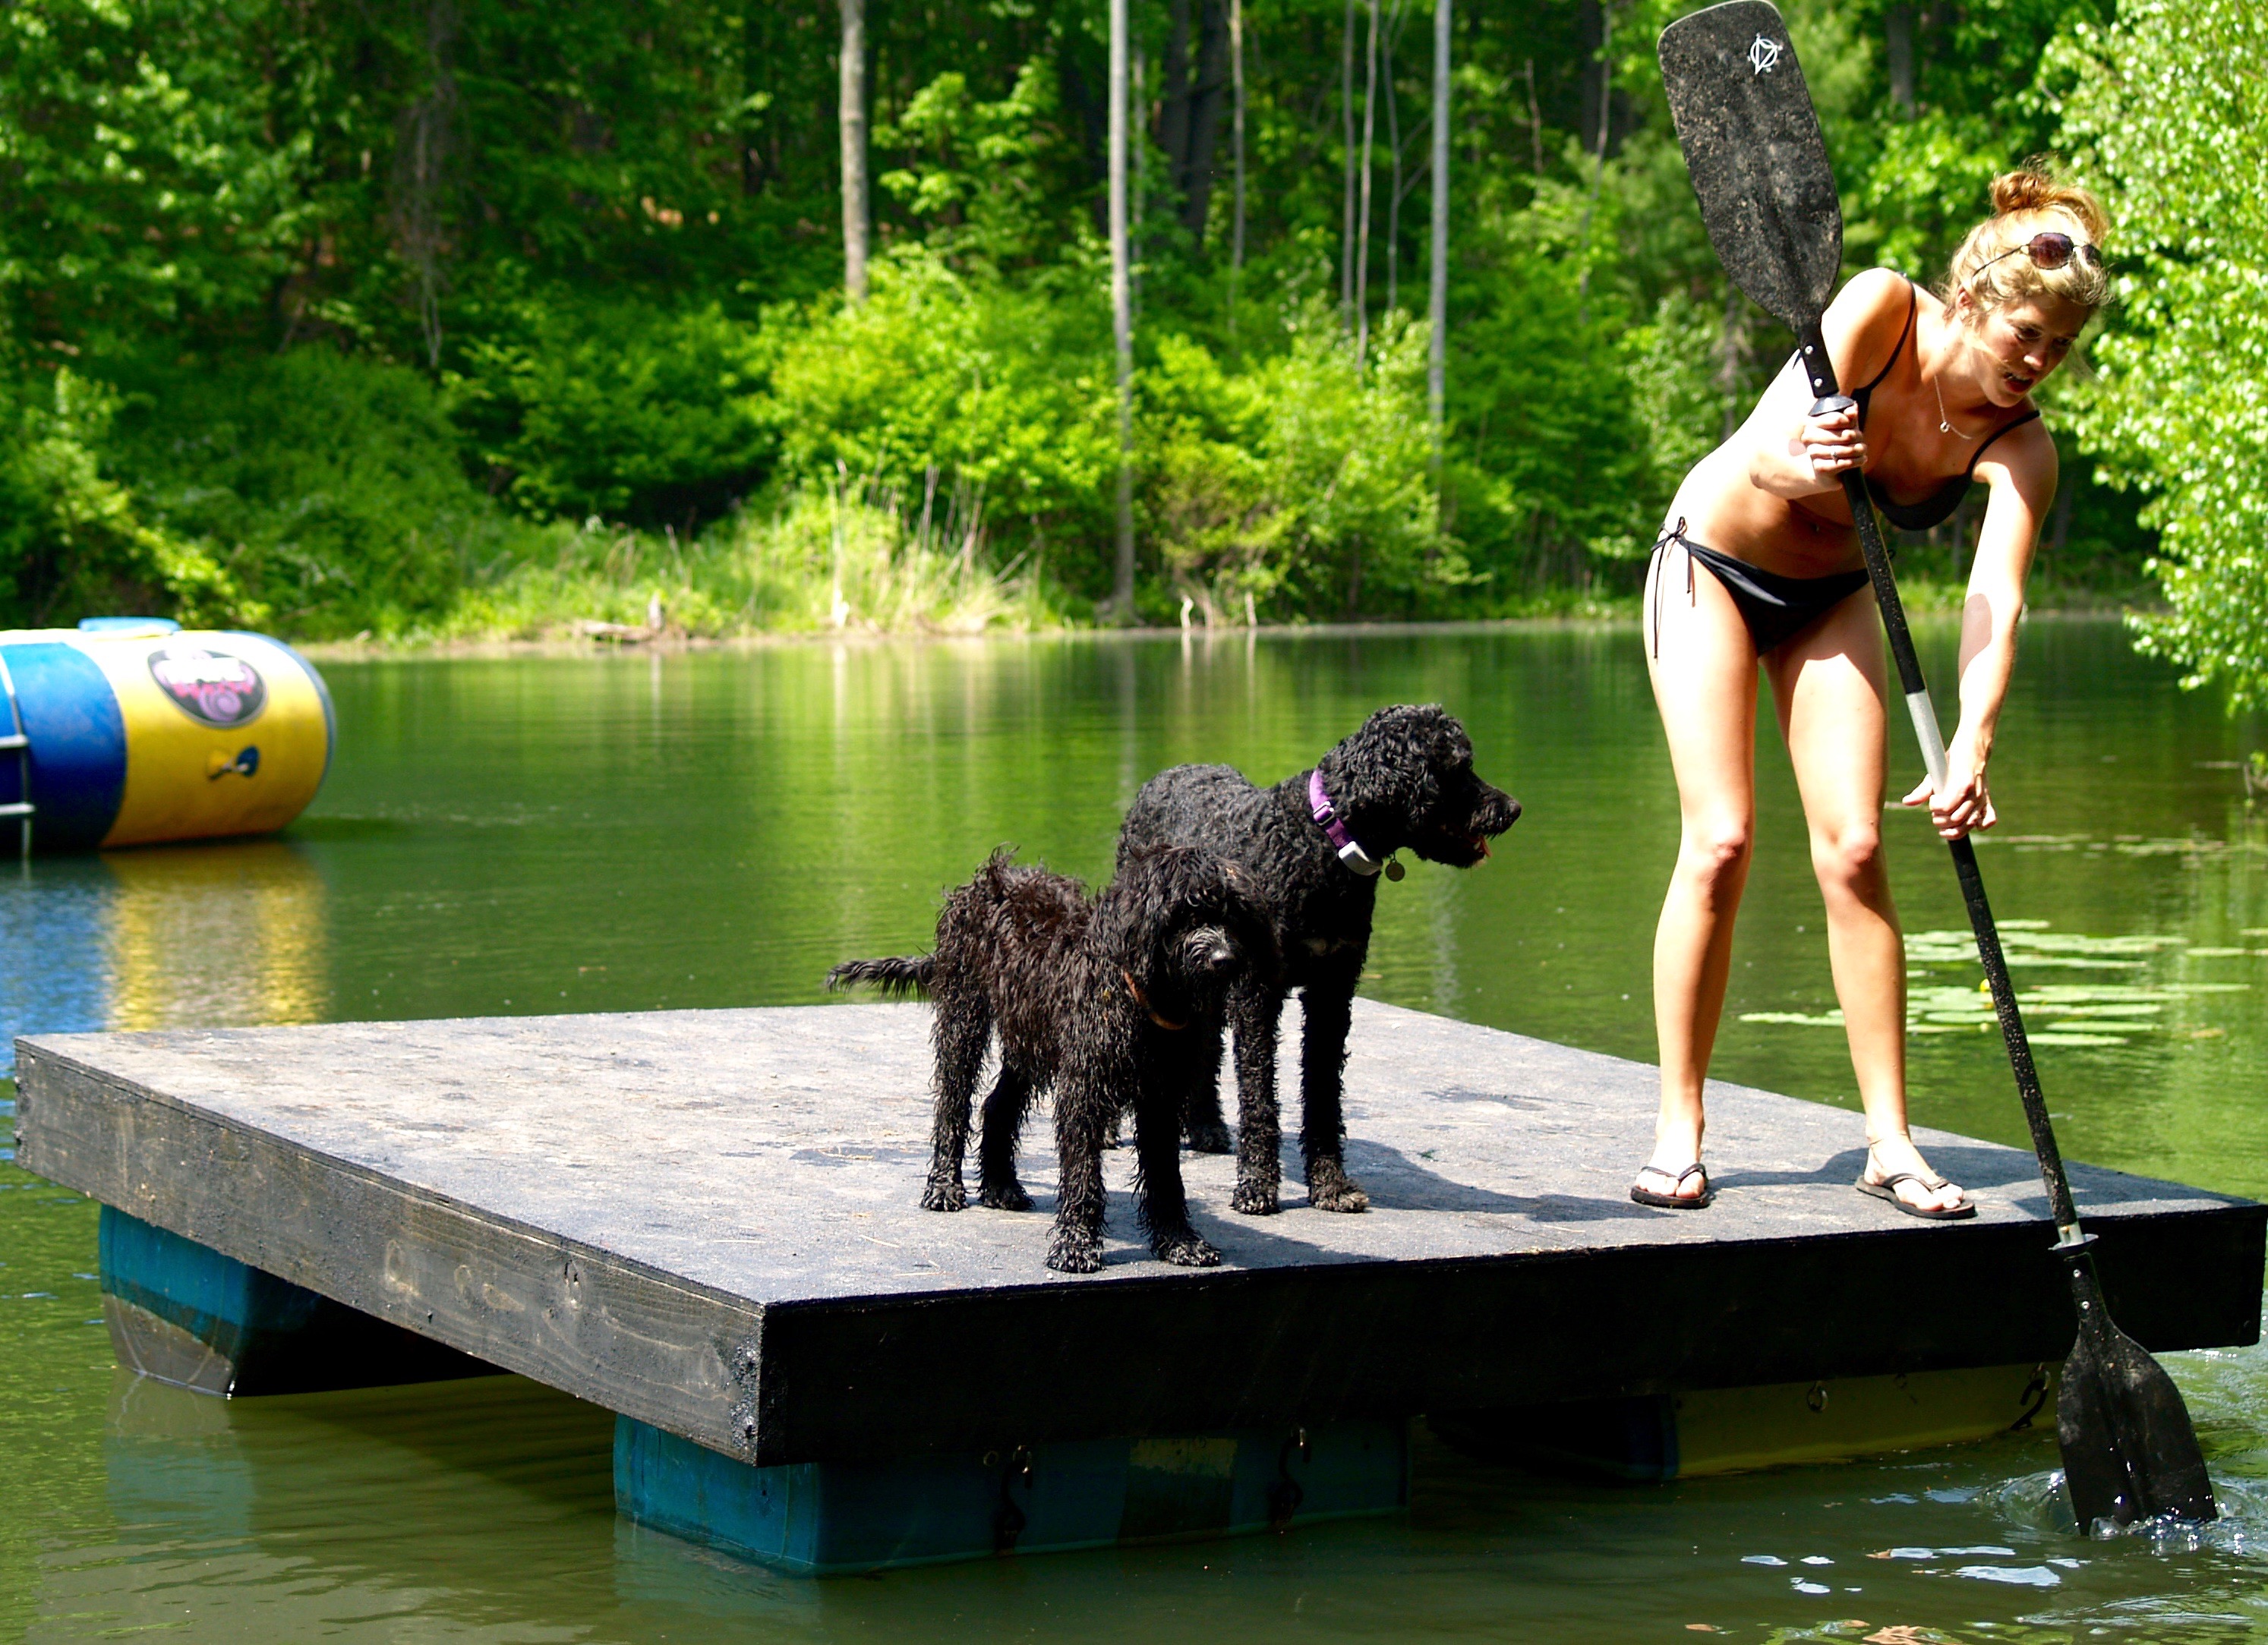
[{"x": 1394, "y": 868}]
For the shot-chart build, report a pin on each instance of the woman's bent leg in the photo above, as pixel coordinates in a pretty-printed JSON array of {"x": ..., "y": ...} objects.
[
  {"x": 1830, "y": 689},
  {"x": 1705, "y": 683}
]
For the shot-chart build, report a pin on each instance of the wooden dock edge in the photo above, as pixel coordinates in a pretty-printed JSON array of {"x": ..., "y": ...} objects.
[{"x": 515, "y": 1297}]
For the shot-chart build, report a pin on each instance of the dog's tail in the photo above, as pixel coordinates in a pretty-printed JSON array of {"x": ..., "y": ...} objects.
[{"x": 897, "y": 978}]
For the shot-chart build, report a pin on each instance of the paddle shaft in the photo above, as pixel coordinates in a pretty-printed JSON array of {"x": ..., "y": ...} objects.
[{"x": 1821, "y": 369}]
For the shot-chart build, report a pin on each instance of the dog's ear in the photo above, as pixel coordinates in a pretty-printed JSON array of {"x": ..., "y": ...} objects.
[
  {"x": 1391, "y": 771},
  {"x": 1126, "y": 911}
]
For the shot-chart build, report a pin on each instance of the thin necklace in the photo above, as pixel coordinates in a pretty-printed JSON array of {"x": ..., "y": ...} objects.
[{"x": 1944, "y": 423}]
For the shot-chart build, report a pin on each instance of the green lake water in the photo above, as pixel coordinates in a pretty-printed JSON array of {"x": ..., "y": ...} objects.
[{"x": 623, "y": 833}]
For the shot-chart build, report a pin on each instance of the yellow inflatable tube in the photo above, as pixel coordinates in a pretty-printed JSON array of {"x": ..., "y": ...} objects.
[{"x": 129, "y": 733}]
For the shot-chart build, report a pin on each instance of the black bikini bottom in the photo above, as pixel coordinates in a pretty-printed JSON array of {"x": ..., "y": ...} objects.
[{"x": 1776, "y": 608}]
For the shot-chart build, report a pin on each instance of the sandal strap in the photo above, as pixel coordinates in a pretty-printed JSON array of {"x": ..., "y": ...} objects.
[
  {"x": 1930, "y": 1180},
  {"x": 1677, "y": 1180}
]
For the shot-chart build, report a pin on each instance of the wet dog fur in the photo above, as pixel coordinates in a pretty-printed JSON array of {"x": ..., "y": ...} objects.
[
  {"x": 1108, "y": 1001},
  {"x": 1404, "y": 780}
]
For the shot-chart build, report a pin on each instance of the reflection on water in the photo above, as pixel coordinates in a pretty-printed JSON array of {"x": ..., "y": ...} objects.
[
  {"x": 254, "y": 1520},
  {"x": 227, "y": 934},
  {"x": 533, "y": 836},
  {"x": 53, "y": 922},
  {"x": 218, "y": 934},
  {"x": 2055, "y": 1014}
]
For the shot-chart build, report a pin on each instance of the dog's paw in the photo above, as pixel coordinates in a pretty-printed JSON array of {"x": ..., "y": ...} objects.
[
  {"x": 1255, "y": 1199},
  {"x": 944, "y": 1196},
  {"x": 1187, "y": 1250},
  {"x": 1076, "y": 1253},
  {"x": 1005, "y": 1196},
  {"x": 1210, "y": 1137},
  {"x": 1331, "y": 1189}
]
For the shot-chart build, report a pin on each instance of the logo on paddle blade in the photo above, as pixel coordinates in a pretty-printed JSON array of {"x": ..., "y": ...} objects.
[
  {"x": 211, "y": 687},
  {"x": 1764, "y": 55}
]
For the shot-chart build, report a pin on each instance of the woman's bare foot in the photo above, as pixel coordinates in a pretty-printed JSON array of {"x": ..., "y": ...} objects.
[
  {"x": 1668, "y": 1172},
  {"x": 1675, "y": 1182},
  {"x": 1896, "y": 1155},
  {"x": 1674, "y": 1194}
]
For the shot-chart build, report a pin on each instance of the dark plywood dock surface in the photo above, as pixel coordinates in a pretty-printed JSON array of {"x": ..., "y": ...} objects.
[{"x": 709, "y": 1221}]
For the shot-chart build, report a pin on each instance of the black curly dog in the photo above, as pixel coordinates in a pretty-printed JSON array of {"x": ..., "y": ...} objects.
[
  {"x": 1405, "y": 782},
  {"x": 1112, "y": 1002}
]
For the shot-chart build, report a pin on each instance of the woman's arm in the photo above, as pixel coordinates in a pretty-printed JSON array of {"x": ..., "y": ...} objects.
[
  {"x": 1790, "y": 453},
  {"x": 2022, "y": 471}
]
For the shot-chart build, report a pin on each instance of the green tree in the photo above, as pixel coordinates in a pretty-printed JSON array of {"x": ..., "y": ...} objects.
[
  {"x": 2170, "y": 107},
  {"x": 72, "y": 538}
]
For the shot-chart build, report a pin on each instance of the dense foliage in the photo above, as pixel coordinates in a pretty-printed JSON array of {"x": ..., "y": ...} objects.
[
  {"x": 2173, "y": 105},
  {"x": 459, "y": 314}
]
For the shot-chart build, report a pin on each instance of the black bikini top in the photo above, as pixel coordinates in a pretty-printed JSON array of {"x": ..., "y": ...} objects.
[{"x": 1938, "y": 506}]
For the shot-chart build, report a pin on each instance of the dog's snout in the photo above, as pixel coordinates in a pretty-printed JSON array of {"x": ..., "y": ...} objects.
[
  {"x": 1213, "y": 949},
  {"x": 1496, "y": 813}
]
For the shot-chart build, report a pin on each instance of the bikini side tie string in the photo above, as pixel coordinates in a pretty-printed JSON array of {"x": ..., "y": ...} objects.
[{"x": 1675, "y": 535}]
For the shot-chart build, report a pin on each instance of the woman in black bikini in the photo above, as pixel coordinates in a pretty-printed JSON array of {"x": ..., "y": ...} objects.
[{"x": 1759, "y": 562}]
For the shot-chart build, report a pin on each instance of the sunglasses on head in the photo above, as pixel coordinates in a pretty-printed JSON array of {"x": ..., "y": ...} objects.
[{"x": 2051, "y": 249}]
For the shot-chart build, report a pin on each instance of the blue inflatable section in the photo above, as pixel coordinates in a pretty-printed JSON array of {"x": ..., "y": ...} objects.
[{"x": 78, "y": 744}]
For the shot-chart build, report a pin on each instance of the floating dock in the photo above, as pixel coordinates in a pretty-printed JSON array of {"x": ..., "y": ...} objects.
[{"x": 708, "y": 1223}]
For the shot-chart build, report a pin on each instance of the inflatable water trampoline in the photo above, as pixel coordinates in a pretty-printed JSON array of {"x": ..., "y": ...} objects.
[{"x": 130, "y": 730}]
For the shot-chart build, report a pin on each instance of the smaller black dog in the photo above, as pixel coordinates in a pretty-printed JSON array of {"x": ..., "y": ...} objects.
[{"x": 1093, "y": 999}]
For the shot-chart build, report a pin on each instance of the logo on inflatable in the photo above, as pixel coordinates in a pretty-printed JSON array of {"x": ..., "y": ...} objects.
[{"x": 211, "y": 687}]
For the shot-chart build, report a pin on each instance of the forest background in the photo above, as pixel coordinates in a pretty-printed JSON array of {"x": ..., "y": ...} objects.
[{"x": 423, "y": 319}]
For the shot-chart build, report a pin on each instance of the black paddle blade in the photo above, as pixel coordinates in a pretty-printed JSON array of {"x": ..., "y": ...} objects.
[
  {"x": 2129, "y": 1451},
  {"x": 1753, "y": 149}
]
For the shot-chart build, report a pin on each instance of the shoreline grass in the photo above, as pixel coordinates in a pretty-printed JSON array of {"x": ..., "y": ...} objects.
[{"x": 827, "y": 566}]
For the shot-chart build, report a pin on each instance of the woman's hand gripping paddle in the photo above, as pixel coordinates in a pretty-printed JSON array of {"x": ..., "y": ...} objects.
[{"x": 1753, "y": 148}]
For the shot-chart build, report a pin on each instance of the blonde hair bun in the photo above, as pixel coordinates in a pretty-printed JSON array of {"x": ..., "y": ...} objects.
[
  {"x": 1989, "y": 266},
  {"x": 2026, "y": 190}
]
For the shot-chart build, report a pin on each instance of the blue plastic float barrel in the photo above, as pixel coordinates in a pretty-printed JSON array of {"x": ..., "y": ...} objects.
[{"x": 130, "y": 731}]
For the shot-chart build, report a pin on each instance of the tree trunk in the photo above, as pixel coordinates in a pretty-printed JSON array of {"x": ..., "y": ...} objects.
[
  {"x": 1362, "y": 234},
  {"x": 1394, "y": 155},
  {"x": 1590, "y": 17},
  {"x": 1236, "y": 126},
  {"x": 756, "y": 71},
  {"x": 1346, "y": 133},
  {"x": 1535, "y": 119},
  {"x": 1437, "y": 272},
  {"x": 853, "y": 120},
  {"x": 422, "y": 151},
  {"x": 1193, "y": 175},
  {"x": 1090, "y": 107},
  {"x": 1122, "y": 319},
  {"x": 1898, "y": 26},
  {"x": 1173, "y": 91},
  {"x": 1606, "y": 107},
  {"x": 1138, "y": 134}
]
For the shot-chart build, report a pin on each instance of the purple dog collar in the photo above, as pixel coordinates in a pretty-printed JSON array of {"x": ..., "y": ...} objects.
[{"x": 1346, "y": 845}]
